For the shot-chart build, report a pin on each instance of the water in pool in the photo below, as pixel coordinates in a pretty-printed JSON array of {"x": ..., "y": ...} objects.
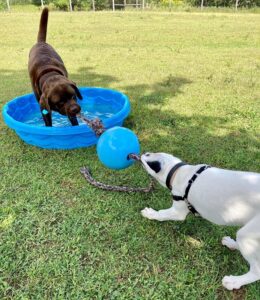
[{"x": 91, "y": 108}]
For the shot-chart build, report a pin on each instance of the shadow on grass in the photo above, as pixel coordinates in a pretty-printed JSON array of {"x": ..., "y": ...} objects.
[
  {"x": 197, "y": 138},
  {"x": 192, "y": 138},
  {"x": 159, "y": 92},
  {"x": 86, "y": 76},
  {"x": 16, "y": 82}
]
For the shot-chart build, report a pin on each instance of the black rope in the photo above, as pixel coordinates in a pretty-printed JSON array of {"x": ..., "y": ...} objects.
[{"x": 87, "y": 174}]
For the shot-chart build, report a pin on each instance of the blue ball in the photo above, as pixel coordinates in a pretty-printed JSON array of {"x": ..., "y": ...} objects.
[{"x": 114, "y": 145}]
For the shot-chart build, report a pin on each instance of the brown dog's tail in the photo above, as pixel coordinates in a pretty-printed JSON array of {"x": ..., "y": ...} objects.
[{"x": 43, "y": 26}]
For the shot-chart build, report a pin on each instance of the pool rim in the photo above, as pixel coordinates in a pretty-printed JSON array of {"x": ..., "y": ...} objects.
[{"x": 67, "y": 130}]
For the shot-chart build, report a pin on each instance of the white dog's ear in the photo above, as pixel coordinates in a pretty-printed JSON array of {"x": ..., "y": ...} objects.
[{"x": 155, "y": 166}]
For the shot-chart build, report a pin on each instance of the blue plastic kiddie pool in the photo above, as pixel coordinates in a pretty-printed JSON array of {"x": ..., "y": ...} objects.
[{"x": 23, "y": 115}]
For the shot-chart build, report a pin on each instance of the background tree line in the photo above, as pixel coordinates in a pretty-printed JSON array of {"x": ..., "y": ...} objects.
[{"x": 107, "y": 4}]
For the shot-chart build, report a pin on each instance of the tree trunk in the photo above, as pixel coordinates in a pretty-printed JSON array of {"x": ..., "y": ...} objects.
[
  {"x": 201, "y": 4},
  {"x": 8, "y": 4},
  {"x": 170, "y": 4},
  {"x": 93, "y": 5},
  {"x": 113, "y": 5},
  {"x": 70, "y": 5},
  {"x": 236, "y": 4}
]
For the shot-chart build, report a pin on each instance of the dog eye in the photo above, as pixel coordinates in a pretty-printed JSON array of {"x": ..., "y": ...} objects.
[{"x": 147, "y": 154}]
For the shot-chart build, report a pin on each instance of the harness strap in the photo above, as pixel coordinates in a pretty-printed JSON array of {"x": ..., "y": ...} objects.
[{"x": 190, "y": 182}]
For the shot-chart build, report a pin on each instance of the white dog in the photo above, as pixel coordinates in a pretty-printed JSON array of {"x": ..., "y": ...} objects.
[{"x": 223, "y": 197}]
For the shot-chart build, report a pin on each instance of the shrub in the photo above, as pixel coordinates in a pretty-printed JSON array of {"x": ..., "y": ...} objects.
[
  {"x": 224, "y": 3},
  {"x": 167, "y": 3},
  {"x": 38, "y": 2},
  {"x": 2, "y": 5},
  {"x": 61, "y": 4},
  {"x": 102, "y": 4}
]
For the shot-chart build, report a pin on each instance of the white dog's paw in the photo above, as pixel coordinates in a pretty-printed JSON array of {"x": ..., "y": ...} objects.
[
  {"x": 231, "y": 282},
  {"x": 149, "y": 213},
  {"x": 230, "y": 243}
]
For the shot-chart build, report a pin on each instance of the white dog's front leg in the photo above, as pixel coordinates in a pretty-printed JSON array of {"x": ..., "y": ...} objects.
[
  {"x": 177, "y": 212},
  {"x": 230, "y": 243}
]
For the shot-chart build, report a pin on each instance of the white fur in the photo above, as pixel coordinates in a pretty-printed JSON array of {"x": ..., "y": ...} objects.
[{"x": 221, "y": 196}]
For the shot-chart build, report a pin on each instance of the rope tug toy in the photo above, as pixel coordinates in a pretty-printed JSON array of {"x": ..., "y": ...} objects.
[{"x": 117, "y": 148}]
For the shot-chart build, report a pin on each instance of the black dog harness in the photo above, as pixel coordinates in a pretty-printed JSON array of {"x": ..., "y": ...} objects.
[{"x": 190, "y": 182}]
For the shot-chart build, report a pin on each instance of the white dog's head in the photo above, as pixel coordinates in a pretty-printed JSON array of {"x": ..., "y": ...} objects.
[{"x": 159, "y": 165}]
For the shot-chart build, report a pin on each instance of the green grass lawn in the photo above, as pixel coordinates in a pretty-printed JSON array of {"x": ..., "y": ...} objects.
[{"x": 193, "y": 82}]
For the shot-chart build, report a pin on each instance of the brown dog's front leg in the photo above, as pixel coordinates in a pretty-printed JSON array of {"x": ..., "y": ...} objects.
[
  {"x": 45, "y": 110},
  {"x": 47, "y": 118},
  {"x": 73, "y": 121}
]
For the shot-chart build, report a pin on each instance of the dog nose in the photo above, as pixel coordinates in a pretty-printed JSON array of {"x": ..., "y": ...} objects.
[{"x": 74, "y": 109}]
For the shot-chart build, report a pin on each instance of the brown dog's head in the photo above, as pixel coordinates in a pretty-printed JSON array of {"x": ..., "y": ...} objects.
[{"x": 62, "y": 95}]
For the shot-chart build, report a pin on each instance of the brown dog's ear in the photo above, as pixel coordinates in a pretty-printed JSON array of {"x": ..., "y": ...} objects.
[{"x": 77, "y": 91}]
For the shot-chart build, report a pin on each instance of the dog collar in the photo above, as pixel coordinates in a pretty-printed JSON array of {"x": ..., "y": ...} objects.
[
  {"x": 48, "y": 69},
  {"x": 172, "y": 171},
  {"x": 43, "y": 71}
]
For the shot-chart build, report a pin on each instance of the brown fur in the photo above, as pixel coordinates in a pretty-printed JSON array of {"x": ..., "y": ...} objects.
[{"x": 49, "y": 79}]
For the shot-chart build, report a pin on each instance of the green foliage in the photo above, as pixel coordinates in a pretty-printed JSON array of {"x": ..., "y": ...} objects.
[
  {"x": 2, "y": 5},
  {"x": 81, "y": 4},
  {"x": 64, "y": 4},
  {"x": 61, "y": 4},
  {"x": 101, "y": 4},
  {"x": 21, "y": 2},
  {"x": 225, "y": 3},
  {"x": 107, "y": 4},
  {"x": 215, "y": 3},
  {"x": 167, "y": 3},
  {"x": 38, "y": 2}
]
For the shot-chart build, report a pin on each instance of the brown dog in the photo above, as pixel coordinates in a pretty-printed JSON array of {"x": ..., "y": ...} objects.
[{"x": 49, "y": 79}]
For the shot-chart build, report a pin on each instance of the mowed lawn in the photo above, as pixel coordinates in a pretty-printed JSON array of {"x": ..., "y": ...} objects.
[{"x": 193, "y": 82}]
